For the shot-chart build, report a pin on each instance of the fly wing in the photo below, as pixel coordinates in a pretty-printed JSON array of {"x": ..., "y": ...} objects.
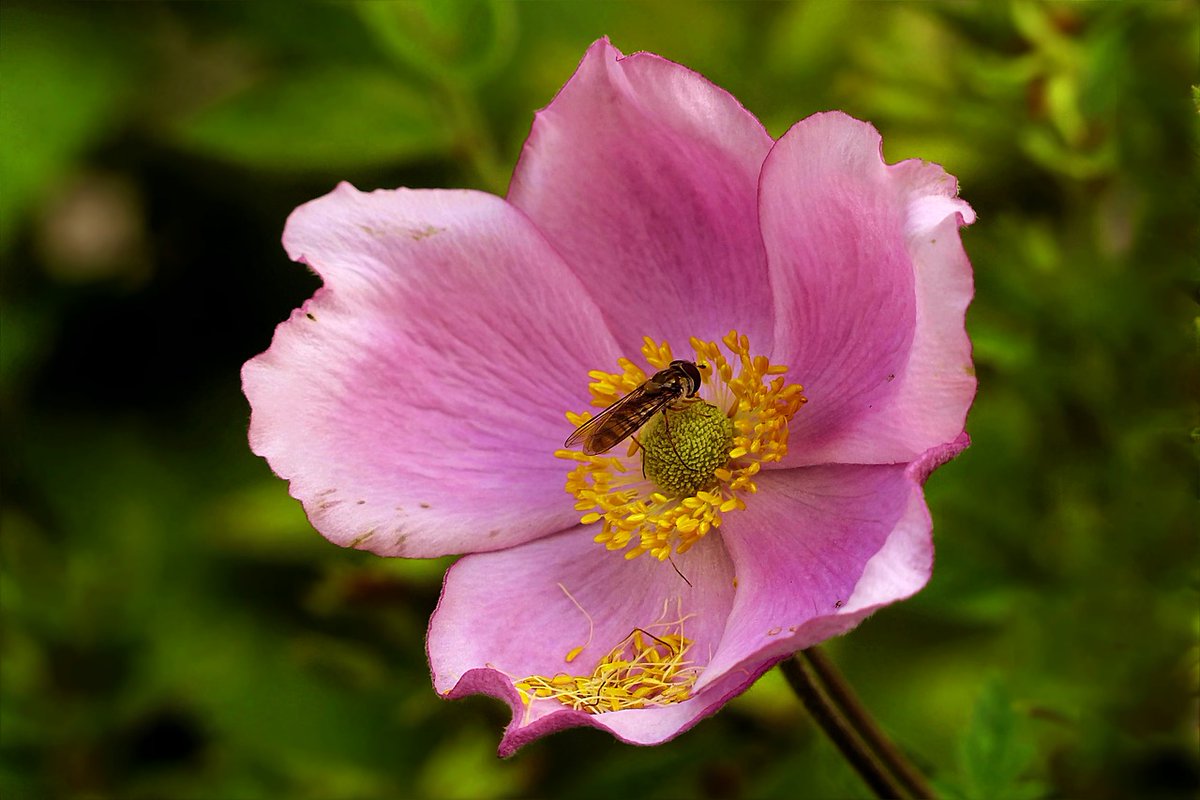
[{"x": 611, "y": 426}]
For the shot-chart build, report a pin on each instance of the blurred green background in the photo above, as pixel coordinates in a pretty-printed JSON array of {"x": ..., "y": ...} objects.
[{"x": 173, "y": 627}]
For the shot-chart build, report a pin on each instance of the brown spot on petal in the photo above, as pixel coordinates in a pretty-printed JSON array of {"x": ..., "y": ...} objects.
[
  {"x": 493, "y": 533},
  {"x": 774, "y": 631},
  {"x": 362, "y": 538},
  {"x": 423, "y": 505},
  {"x": 360, "y": 502},
  {"x": 414, "y": 233},
  {"x": 424, "y": 233},
  {"x": 310, "y": 316}
]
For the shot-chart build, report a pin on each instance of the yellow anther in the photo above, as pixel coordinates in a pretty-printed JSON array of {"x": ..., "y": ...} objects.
[
  {"x": 661, "y": 508},
  {"x": 644, "y": 669}
]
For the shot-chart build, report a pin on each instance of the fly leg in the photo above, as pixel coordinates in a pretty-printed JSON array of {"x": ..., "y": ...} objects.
[
  {"x": 671, "y": 441},
  {"x": 637, "y": 445}
]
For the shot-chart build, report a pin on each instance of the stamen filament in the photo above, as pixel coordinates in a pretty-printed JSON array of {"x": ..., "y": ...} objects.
[{"x": 643, "y": 670}]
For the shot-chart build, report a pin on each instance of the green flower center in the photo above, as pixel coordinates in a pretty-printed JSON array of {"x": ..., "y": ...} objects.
[
  {"x": 682, "y": 450},
  {"x": 696, "y": 464}
]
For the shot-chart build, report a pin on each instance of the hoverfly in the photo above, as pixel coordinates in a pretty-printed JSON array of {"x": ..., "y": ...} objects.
[{"x": 668, "y": 387}]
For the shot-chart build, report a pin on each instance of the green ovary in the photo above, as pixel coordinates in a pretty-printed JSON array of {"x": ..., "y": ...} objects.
[{"x": 681, "y": 452}]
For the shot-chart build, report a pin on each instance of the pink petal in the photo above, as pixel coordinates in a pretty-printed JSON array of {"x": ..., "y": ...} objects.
[
  {"x": 902, "y": 567},
  {"x": 817, "y": 550},
  {"x": 415, "y": 402},
  {"x": 644, "y": 176},
  {"x": 645, "y": 726},
  {"x": 872, "y": 286},
  {"x": 507, "y": 615}
]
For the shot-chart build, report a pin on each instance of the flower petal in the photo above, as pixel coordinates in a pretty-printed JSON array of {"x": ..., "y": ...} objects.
[
  {"x": 507, "y": 615},
  {"x": 646, "y": 726},
  {"x": 644, "y": 176},
  {"x": 872, "y": 286},
  {"x": 415, "y": 402},
  {"x": 817, "y": 550}
]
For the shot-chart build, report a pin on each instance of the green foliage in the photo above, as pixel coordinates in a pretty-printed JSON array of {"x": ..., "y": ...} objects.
[
  {"x": 62, "y": 83},
  {"x": 446, "y": 39},
  {"x": 174, "y": 628},
  {"x": 995, "y": 753},
  {"x": 330, "y": 120}
]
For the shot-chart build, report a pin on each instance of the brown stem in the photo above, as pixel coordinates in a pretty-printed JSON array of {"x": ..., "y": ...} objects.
[
  {"x": 860, "y": 719},
  {"x": 801, "y": 675},
  {"x": 842, "y": 717}
]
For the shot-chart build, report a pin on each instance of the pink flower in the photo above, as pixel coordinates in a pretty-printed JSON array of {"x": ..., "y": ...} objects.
[{"x": 416, "y": 403}]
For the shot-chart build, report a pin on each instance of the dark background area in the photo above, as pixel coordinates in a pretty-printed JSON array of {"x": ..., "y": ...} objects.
[{"x": 173, "y": 627}]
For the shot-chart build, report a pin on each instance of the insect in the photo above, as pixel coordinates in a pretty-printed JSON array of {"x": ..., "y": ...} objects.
[{"x": 667, "y": 388}]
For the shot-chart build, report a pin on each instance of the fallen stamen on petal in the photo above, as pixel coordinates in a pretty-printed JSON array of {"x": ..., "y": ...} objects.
[
  {"x": 574, "y": 652},
  {"x": 646, "y": 669},
  {"x": 697, "y": 462}
]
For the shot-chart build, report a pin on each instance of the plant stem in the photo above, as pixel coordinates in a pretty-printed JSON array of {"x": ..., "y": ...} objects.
[
  {"x": 475, "y": 139},
  {"x": 847, "y": 723},
  {"x": 844, "y": 697}
]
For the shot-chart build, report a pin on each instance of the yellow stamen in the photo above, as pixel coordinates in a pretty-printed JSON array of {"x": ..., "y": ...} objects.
[
  {"x": 574, "y": 652},
  {"x": 645, "y": 669},
  {"x": 640, "y": 515}
]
